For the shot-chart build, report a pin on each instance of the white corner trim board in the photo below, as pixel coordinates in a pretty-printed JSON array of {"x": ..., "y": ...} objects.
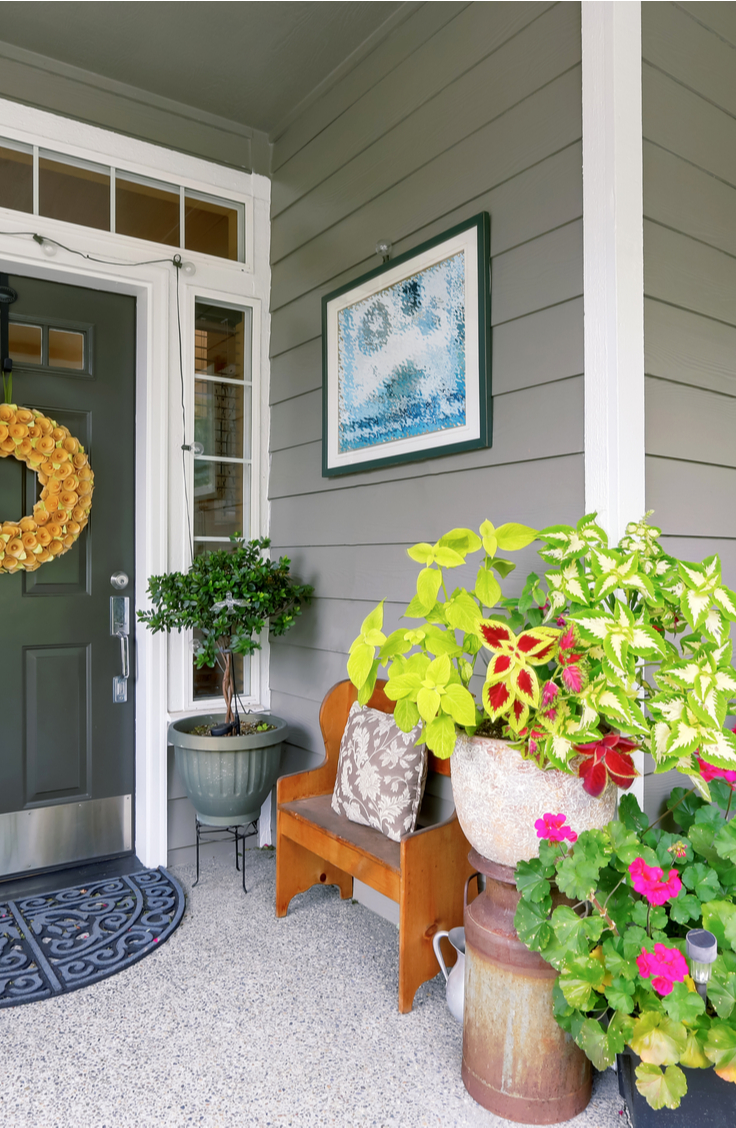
[{"x": 613, "y": 268}]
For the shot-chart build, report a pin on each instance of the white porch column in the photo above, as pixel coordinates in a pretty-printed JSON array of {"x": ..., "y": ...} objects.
[{"x": 613, "y": 267}]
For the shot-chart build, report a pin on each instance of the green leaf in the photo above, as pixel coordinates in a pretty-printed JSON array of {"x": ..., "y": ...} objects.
[
  {"x": 658, "y": 1039},
  {"x": 685, "y": 907},
  {"x": 720, "y": 1048},
  {"x": 360, "y": 663},
  {"x": 487, "y": 587},
  {"x": 580, "y": 978},
  {"x": 717, "y": 916},
  {"x": 620, "y": 994},
  {"x": 420, "y": 552},
  {"x": 531, "y": 880},
  {"x": 593, "y": 1040},
  {"x": 462, "y": 612},
  {"x": 683, "y": 1005},
  {"x": 616, "y": 964},
  {"x": 503, "y": 567},
  {"x": 619, "y": 1031},
  {"x": 459, "y": 703},
  {"x": 441, "y": 736},
  {"x": 532, "y": 925},
  {"x": 428, "y": 703},
  {"x": 406, "y": 714},
  {"x": 428, "y": 584},
  {"x": 461, "y": 540},
  {"x": 631, "y": 814},
  {"x": 634, "y": 938},
  {"x": 725, "y": 842},
  {"x": 625, "y": 842},
  {"x": 568, "y": 928},
  {"x": 373, "y": 621},
  {"x": 722, "y": 991},
  {"x": 702, "y": 880},
  {"x": 661, "y": 1089},
  {"x": 512, "y": 537},
  {"x": 366, "y": 690}
]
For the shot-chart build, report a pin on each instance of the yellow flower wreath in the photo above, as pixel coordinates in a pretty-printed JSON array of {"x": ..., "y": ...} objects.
[{"x": 66, "y": 498}]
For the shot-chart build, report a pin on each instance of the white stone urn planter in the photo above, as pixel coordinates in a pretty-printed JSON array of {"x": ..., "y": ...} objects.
[{"x": 499, "y": 796}]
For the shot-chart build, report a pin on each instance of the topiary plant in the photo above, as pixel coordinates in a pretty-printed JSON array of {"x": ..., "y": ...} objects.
[{"x": 228, "y": 596}]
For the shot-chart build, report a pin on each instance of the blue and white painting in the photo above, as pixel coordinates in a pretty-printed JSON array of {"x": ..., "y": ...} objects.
[{"x": 401, "y": 359}]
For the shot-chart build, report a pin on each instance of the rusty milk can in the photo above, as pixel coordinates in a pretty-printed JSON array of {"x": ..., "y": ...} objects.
[{"x": 517, "y": 1061}]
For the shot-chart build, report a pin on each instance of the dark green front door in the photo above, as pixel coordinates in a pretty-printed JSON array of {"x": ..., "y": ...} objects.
[{"x": 67, "y": 750}]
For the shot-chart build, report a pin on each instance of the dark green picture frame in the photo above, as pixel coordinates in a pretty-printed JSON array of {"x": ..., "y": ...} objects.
[{"x": 474, "y": 238}]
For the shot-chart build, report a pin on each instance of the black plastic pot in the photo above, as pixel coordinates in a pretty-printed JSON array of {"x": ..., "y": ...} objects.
[{"x": 710, "y": 1102}]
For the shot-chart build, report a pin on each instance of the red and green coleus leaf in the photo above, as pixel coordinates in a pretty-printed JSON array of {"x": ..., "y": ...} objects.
[
  {"x": 607, "y": 759},
  {"x": 512, "y": 685}
]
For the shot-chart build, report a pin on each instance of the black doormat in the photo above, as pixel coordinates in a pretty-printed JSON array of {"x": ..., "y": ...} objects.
[{"x": 56, "y": 942}]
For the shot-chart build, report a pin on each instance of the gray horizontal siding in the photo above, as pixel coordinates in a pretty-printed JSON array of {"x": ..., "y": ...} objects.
[
  {"x": 482, "y": 113},
  {"x": 690, "y": 275}
]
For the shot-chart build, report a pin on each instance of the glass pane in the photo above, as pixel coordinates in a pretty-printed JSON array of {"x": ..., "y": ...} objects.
[
  {"x": 77, "y": 195},
  {"x": 222, "y": 341},
  {"x": 218, "y": 418},
  {"x": 211, "y": 227},
  {"x": 218, "y": 498},
  {"x": 147, "y": 211},
  {"x": 24, "y": 343},
  {"x": 66, "y": 349},
  {"x": 208, "y": 681},
  {"x": 16, "y": 179}
]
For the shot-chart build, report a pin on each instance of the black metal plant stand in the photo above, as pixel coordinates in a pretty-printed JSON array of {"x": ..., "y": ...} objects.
[{"x": 237, "y": 832}]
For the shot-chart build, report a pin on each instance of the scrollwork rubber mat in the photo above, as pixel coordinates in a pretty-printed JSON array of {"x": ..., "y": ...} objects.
[{"x": 54, "y": 943}]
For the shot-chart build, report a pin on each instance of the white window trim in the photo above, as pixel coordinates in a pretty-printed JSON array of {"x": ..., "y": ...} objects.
[
  {"x": 159, "y": 516},
  {"x": 613, "y": 269}
]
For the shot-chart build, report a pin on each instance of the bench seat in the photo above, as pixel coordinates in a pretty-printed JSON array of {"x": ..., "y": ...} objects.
[{"x": 424, "y": 873}]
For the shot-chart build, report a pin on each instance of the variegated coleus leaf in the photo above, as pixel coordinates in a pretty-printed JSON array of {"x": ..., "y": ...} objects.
[
  {"x": 568, "y": 585},
  {"x": 614, "y": 570},
  {"x": 710, "y": 682},
  {"x": 702, "y": 589},
  {"x": 642, "y": 537},
  {"x": 687, "y": 728},
  {"x": 622, "y": 636},
  {"x": 567, "y": 543}
]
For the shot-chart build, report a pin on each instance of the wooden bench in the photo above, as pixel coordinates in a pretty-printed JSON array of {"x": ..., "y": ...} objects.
[{"x": 425, "y": 872}]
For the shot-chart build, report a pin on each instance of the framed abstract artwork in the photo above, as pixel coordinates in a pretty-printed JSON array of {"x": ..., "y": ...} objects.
[{"x": 406, "y": 356}]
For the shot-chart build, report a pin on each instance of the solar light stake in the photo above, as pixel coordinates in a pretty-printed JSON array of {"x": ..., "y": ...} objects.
[{"x": 701, "y": 950}]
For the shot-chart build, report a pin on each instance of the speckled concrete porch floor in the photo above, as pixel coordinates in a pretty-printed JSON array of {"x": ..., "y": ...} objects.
[{"x": 242, "y": 1019}]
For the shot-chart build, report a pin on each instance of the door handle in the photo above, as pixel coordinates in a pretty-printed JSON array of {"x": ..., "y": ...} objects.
[{"x": 120, "y": 628}]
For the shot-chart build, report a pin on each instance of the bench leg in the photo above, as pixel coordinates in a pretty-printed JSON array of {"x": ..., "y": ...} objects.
[
  {"x": 298, "y": 869},
  {"x": 434, "y": 868}
]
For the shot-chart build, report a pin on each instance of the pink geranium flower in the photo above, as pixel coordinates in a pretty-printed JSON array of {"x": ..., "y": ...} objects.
[
  {"x": 709, "y": 772},
  {"x": 666, "y": 966},
  {"x": 553, "y": 828},
  {"x": 651, "y": 883}
]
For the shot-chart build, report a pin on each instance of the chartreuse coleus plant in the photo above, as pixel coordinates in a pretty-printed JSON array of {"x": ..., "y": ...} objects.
[
  {"x": 634, "y": 891},
  {"x": 608, "y": 650},
  {"x": 430, "y": 665}
]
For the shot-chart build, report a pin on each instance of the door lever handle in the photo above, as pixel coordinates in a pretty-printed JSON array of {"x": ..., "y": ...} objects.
[{"x": 120, "y": 628}]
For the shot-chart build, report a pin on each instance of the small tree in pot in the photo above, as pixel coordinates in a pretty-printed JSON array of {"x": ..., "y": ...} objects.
[{"x": 228, "y": 596}]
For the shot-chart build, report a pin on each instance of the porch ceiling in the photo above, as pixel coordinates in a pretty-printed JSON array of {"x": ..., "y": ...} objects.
[{"x": 250, "y": 62}]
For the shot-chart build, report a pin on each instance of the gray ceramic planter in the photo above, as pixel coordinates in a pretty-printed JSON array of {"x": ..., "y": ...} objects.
[{"x": 227, "y": 777}]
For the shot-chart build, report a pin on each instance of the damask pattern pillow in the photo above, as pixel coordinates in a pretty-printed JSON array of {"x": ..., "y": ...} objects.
[{"x": 381, "y": 773}]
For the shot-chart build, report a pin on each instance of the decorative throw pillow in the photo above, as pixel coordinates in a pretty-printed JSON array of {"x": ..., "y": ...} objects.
[{"x": 380, "y": 774}]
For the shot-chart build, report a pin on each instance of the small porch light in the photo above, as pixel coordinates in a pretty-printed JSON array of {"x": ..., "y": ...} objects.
[{"x": 701, "y": 949}]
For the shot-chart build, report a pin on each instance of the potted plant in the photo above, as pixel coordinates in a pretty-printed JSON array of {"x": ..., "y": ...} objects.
[
  {"x": 635, "y": 979},
  {"x": 227, "y": 763},
  {"x": 565, "y": 672}
]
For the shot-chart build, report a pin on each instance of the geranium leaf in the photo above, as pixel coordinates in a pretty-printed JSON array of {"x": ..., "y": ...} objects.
[
  {"x": 580, "y": 978},
  {"x": 661, "y": 1089},
  {"x": 725, "y": 842},
  {"x": 531, "y": 880},
  {"x": 620, "y": 995},
  {"x": 685, "y": 907},
  {"x": 658, "y": 1039},
  {"x": 593, "y": 1040},
  {"x": 532, "y": 925},
  {"x": 722, "y": 991},
  {"x": 720, "y": 1048},
  {"x": 682, "y": 1004}
]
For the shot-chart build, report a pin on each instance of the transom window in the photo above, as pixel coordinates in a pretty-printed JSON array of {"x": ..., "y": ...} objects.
[{"x": 44, "y": 183}]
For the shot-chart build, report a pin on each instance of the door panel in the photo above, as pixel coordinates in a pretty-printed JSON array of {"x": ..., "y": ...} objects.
[{"x": 62, "y": 739}]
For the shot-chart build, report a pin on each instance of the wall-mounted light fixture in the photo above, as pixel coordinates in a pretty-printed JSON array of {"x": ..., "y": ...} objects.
[{"x": 384, "y": 248}]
